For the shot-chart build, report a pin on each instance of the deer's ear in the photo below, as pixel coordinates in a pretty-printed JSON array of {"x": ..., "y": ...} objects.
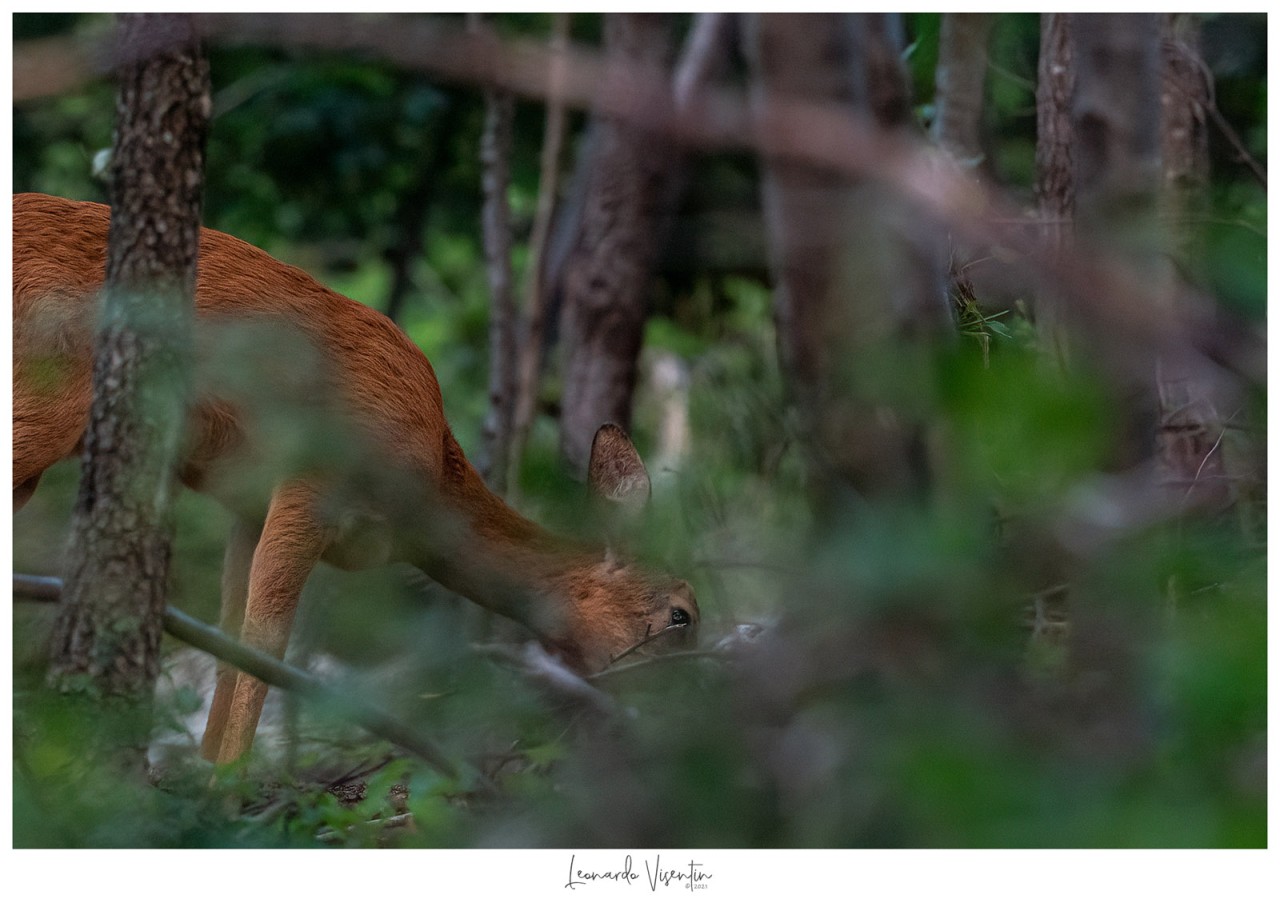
[{"x": 616, "y": 474}]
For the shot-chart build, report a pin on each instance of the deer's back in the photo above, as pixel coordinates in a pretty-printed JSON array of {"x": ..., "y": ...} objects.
[{"x": 275, "y": 350}]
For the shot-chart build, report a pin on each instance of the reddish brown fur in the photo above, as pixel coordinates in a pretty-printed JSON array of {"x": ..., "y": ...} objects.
[{"x": 379, "y": 383}]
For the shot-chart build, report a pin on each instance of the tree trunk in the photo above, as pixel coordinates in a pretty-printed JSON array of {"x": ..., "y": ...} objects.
[
  {"x": 495, "y": 162},
  {"x": 1115, "y": 120},
  {"x": 608, "y": 271},
  {"x": 414, "y": 208},
  {"x": 706, "y": 55},
  {"x": 107, "y": 636},
  {"x": 1115, "y": 116},
  {"x": 1184, "y": 138},
  {"x": 855, "y": 271},
  {"x": 1055, "y": 173},
  {"x": 529, "y": 365},
  {"x": 961, "y": 77},
  {"x": 1189, "y": 442}
]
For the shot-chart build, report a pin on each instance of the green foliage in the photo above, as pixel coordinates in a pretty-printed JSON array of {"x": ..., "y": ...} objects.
[
  {"x": 1025, "y": 430},
  {"x": 1236, "y": 253}
]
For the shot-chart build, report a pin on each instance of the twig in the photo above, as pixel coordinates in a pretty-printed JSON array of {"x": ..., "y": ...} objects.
[
  {"x": 648, "y": 638},
  {"x": 665, "y": 658},
  {"x": 268, "y": 670},
  {"x": 1200, "y": 470}
]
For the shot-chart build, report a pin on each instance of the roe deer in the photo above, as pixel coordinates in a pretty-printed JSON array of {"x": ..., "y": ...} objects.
[{"x": 326, "y": 439}]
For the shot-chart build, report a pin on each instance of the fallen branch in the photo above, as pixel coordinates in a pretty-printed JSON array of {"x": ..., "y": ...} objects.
[{"x": 268, "y": 670}]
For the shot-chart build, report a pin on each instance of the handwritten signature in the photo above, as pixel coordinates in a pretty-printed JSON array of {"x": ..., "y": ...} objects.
[{"x": 692, "y": 877}]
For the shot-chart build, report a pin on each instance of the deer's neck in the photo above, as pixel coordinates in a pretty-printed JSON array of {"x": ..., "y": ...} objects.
[{"x": 486, "y": 551}]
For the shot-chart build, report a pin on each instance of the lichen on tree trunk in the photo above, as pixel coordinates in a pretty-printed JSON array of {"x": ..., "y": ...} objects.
[{"x": 106, "y": 639}]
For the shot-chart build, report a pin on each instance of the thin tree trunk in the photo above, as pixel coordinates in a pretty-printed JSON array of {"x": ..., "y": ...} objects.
[
  {"x": 1055, "y": 174},
  {"x": 1184, "y": 137},
  {"x": 410, "y": 219},
  {"x": 413, "y": 210},
  {"x": 107, "y": 636},
  {"x": 529, "y": 366},
  {"x": 1115, "y": 120},
  {"x": 1115, "y": 115},
  {"x": 1055, "y": 182},
  {"x": 961, "y": 78},
  {"x": 609, "y": 269},
  {"x": 1189, "y": 442},
  {"x": 959, "y": 87},
  {"x": 495, "y": 158}
]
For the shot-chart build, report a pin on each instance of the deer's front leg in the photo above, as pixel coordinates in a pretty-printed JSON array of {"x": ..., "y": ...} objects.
[
  {"x": 292, "y": 542},
  {"x": 235, "y": 596}
]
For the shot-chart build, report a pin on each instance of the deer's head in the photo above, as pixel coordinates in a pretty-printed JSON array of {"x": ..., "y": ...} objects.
[{"x": 617, "y": 606}]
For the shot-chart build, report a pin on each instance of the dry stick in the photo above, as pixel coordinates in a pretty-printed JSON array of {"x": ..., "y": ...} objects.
[{"x": 268, "y": 670}]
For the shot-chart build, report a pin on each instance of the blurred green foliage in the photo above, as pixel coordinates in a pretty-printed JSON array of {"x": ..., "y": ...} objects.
[{"x": 898, "y": 696}]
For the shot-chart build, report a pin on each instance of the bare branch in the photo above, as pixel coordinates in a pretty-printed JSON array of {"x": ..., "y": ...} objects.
[{"x": 51, "y": 66}]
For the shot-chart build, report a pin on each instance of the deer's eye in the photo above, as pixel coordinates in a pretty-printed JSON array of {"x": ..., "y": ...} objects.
[{"x": 680, "y": 618}]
